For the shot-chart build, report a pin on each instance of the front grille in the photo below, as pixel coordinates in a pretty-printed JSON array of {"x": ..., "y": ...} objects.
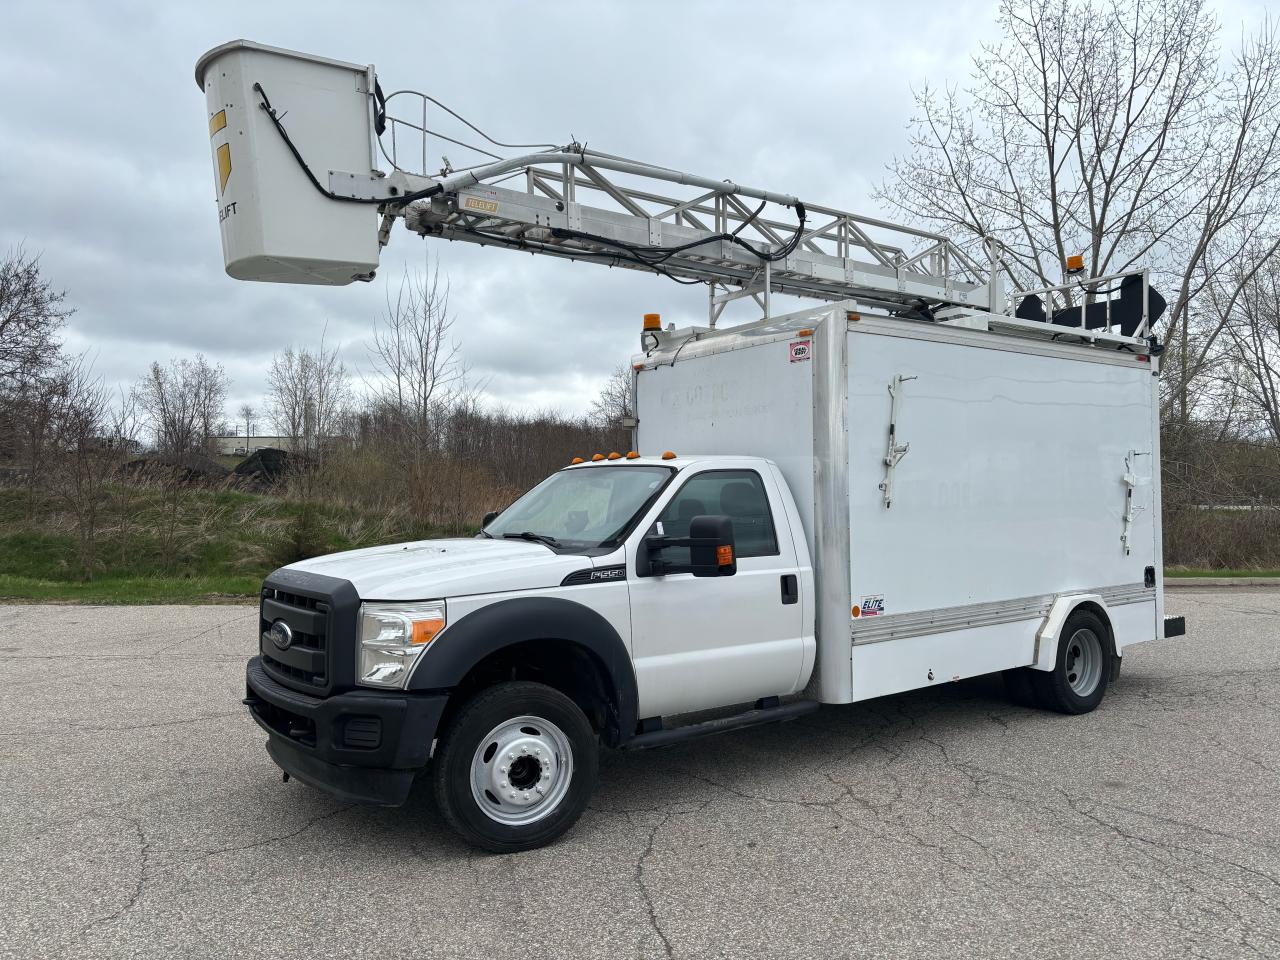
[{"x": 305, "y": 662}]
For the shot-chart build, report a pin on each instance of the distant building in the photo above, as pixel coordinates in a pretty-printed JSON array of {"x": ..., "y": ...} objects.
[{"x": 242, "y": 446}]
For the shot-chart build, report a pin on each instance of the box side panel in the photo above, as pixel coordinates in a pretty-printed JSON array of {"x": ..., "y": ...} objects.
[
  {"x": 1014, "y": 481},
  {"x": 748, "y": 401}
]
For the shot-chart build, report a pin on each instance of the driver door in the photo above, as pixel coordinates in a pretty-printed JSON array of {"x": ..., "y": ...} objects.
[{"x": 702, "y": 642}]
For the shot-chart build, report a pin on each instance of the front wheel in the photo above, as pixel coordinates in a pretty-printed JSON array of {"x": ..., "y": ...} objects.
[{"x": 516, "y": 767}]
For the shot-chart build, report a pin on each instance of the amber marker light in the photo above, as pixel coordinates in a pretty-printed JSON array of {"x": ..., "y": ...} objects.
[
  {"x": 576, "y": 460},
  {"x": 424, "y": 631},
  {"x": 597, "y": 457},
  {"x": 668, "y": 455},
  {"x": 633, "y": 455}
]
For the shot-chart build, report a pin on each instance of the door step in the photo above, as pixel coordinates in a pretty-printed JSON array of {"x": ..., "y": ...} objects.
[{"x": 773, "y": 712}]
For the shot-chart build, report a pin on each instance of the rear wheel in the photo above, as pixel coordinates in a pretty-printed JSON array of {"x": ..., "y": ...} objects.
[
  {"x": 516, "y": 767},
  {"x": 1078, "y": 681}
]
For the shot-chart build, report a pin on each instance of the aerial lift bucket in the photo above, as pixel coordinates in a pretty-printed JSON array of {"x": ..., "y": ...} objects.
[{"x": 276, "y": 224}]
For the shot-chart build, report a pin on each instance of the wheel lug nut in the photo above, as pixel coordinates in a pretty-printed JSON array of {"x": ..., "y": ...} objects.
[{"x": 503, "y": 784}]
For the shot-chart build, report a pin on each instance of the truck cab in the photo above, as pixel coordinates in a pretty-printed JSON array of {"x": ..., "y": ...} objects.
[{"x": 619, "y": 591}]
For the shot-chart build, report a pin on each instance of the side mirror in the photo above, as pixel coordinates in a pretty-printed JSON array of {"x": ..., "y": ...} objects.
[
  {"x": 489, "y": 517},
  {"x": 711, "y": 549}
]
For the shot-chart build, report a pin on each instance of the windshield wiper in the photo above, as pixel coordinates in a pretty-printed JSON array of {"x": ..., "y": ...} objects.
[{"x": 532, "y": 538}]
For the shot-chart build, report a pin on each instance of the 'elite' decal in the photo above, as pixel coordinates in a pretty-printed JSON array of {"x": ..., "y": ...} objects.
[{"x": 872, "y": 606}]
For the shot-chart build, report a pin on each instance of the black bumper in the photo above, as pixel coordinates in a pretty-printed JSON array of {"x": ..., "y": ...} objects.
[{"x": 365, "y": 746}]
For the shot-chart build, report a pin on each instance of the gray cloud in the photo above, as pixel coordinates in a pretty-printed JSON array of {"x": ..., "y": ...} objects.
[{"x": 106, "y": 163}]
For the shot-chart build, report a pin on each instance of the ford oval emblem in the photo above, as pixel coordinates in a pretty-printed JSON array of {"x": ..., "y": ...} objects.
[{"x": 281, "y": 635}]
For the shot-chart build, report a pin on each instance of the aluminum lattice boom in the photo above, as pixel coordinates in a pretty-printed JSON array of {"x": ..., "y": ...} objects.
[{"x": 581, "y": 204}]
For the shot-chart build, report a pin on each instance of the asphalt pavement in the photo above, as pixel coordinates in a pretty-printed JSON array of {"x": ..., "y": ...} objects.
[{"x": 141, "y": 817}]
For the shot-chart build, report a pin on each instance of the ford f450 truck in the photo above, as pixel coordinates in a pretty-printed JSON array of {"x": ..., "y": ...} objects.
[{"x": 829, "y": 507}]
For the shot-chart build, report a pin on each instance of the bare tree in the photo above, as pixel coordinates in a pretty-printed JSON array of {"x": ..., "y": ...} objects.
[
  {"x": 32, "y": 313},
  {"x": 1246, "y": 368},
  {"x": 82, "y": 454},
  {"x": 420, "y": 375},
  {"x": 1109, "y": 129},
  {"x": 306, "y": 393},
  {"x": 249, "y": 415},
  {"x": 616, "y": 401},
  {"x": 182, "y": 403}
]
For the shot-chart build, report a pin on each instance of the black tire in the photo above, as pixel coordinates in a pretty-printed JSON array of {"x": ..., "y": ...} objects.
[
  {"x": 1078, "y": 681},
  {"x": 491, "y": 715}
]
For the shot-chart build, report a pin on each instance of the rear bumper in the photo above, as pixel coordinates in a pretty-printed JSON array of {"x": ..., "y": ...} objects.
[{"x": 366, "y": 747}]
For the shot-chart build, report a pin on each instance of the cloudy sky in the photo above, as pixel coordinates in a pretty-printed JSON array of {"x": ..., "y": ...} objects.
[{"x": 105, "y": 166}]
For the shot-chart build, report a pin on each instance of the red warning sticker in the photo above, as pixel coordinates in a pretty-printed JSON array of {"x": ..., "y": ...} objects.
[{"x": 801, "y": 350}]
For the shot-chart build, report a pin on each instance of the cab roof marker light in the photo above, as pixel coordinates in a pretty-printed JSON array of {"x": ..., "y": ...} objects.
[
  {"x": 633, "y": 455},
  {"x": 597, "y": 457},
  {"x": 668, "y": 455},
  {"x": 615, "y": 455},
  {"x": 576, "y": 460}
]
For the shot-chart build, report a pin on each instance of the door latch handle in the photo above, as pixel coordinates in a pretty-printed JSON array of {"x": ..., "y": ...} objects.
[{"x": 790, "y": 588}]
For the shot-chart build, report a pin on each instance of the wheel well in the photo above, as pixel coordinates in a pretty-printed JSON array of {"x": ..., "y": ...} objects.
[{"x": 561, "y": 664}]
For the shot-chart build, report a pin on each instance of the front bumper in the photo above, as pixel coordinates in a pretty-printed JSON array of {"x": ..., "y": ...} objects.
[{"x": 364, "y": 746}]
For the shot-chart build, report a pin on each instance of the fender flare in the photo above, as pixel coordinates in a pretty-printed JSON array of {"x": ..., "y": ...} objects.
[
  {"x": 502, "y": 624},
  {"x": 1045, "y": 655}
]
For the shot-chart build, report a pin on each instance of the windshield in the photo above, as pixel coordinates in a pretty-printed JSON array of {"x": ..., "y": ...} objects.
[{"x": 583, "y": 508}]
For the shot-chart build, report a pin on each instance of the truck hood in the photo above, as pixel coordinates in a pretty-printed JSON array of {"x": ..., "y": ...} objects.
[{"x": 438, "y": 569}]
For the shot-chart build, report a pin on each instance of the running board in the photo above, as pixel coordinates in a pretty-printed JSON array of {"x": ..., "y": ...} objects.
[{"x": 752, "y": 718}]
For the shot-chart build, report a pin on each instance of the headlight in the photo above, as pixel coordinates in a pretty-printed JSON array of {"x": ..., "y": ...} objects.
[{"x": 392, "y": 637}]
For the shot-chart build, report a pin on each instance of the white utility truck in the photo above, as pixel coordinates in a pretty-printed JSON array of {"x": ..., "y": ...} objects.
[{"x": 905, "y": 485}]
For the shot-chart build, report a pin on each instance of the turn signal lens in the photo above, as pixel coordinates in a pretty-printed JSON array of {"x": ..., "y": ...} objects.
[
  {"x": 724, "y": 555},
  {"x": 424, "y": 631}
]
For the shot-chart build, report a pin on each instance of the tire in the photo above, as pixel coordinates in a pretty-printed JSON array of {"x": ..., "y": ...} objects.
[
  {"x": 1079, "y": 679},
  {"x": 535, "y": 792}
]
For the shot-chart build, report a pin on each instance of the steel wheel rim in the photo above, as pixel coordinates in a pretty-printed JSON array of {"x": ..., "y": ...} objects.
[
  {"x": 1083, "y": 662},
  {"x": 521, "y": 771}
]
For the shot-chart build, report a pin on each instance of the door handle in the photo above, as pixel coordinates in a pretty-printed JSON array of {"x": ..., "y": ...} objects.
[{"x": 790, "y": 588}]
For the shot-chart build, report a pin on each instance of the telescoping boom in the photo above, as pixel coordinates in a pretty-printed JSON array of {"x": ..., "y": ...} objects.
[{"x": 296, "y": 141}]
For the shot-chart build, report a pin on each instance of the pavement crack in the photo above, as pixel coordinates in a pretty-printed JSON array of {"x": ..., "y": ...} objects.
[
  {"x": 238, "y": 848},
  {"x": 139, "y": 884},
  {"x": 643, "y": 887}
]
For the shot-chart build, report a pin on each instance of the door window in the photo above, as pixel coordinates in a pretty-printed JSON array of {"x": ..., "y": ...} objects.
[{"x": 736, "y": 494}]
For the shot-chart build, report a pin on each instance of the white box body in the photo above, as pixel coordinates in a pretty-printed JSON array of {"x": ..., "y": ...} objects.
[
  {"x": 1025, "y": 456},
  {"x": 276, "y": 226}
]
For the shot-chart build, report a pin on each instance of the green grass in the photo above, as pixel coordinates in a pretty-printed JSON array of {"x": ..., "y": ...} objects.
[
  {"x": 224, "y": 543},
  {"x": 131, "y": 590},
  {"x": 1192, "y": 572}
]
